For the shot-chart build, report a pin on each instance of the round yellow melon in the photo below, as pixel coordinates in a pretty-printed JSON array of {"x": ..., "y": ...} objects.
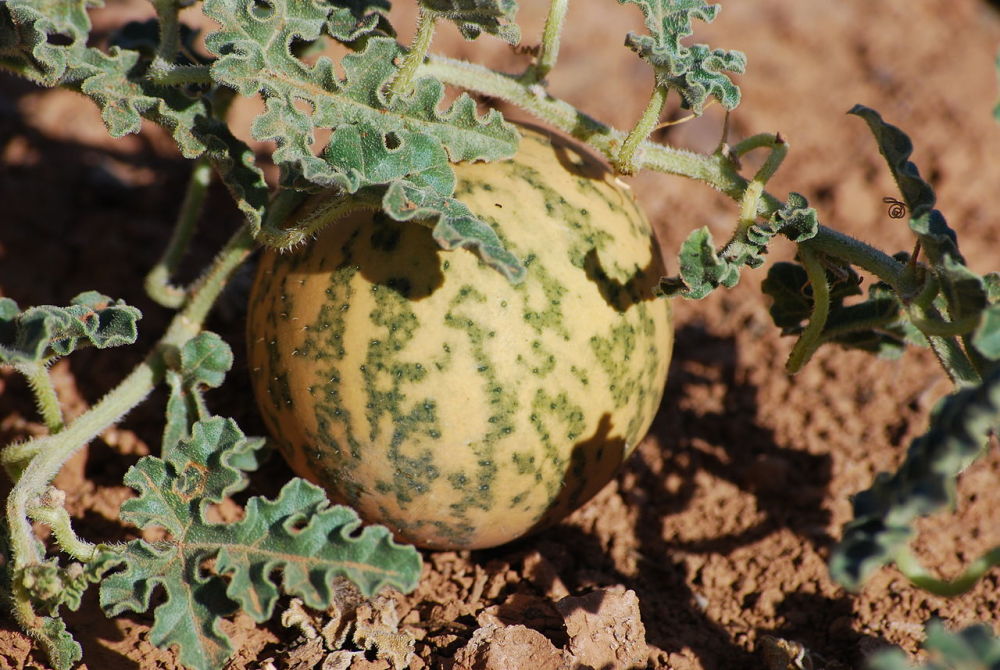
[{"x": 434, "y": 396}]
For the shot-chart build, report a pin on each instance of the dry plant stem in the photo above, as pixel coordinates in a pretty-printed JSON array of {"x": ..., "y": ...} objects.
[
  {"x": 403, "y": 81},
  {"x": 158, "y": 284},
  {"x": 37, "y": 374}
]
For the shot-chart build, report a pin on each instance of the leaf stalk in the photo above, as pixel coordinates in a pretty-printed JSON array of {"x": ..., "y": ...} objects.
[
  {"x": 811, "y": 337},
  {"x": 626, "y": 162},
  {"x": 46, "y": 400},
  {"x": 402, "y": 84},
  {"x": 157, "y": 282},
  {"x": 549, "y": 48}
]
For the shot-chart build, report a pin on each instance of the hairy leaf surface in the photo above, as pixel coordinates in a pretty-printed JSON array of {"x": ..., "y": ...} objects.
[
  {"x": 696, "y": 72},
  {"x": 474, "y": 17},
  {"x": 295, "y": 544},
  {"x": 925, "y": 482},
  {"x": 43, "y": 332}
]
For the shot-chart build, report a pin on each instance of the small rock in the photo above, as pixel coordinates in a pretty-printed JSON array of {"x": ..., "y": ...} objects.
[
  {"x": 497, "y": 647},
  {"x": 605, "y": 629}
]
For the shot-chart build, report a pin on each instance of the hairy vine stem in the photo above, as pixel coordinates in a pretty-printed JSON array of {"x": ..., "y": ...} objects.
[
  {"x": 811, "y": 337},
  {"x": 717, "y": 170},
  {"x": 37, "y": 374},
  {"x": 48, "y": 454},
  {"x": 549, "y": 48},
  {"x": 157, "y": 283},
  {"x": 625, "y": 161},
  {"x": 426, "y": 23}
]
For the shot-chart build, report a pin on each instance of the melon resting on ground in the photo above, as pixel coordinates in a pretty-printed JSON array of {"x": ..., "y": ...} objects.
[{"x": 432, "y": 395}]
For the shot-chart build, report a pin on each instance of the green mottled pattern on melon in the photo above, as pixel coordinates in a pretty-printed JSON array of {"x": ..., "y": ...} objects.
[{"x": 435, "y": 397}]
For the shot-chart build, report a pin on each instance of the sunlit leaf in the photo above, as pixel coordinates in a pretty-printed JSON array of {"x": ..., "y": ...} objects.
[{"x": 295, "y": 545}]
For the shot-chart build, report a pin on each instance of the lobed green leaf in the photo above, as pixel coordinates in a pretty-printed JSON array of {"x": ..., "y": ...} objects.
[
  {"x": 208, "y": 570},
  {"x": 975, "y": 646},
  {"x": 454, "y": 225},
  {"x": 354, "y": 20},
  {"x": 937, "y": 238},
  {"x": 40, "y": 333},
  {"x": 49, "y": 34},
  {"x": 701, "y": 268},
  {"x": 204, "y": 361},
  {"x": 924, "y": 482},
  {"x": 696, "y": 72},
  {"x": 474, "y": 17}
]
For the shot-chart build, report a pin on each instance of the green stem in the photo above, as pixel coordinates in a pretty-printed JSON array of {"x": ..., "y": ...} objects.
[
  {"x": 562, "y": 115},
  {"x": 46, "y": 399},
  {"x": 757, "y": 141},
  {"x": 421, "y": 44},
  {"x": 932, "y": 326},
  {"x": 549, "y": 48},
  {"x": 779, "y": 149},
  {"x": 812, "y": 336},
  {"x": 15, "y": 458},
  {"x": 158, "y": 284},
  {"x": 300, "y": 220},
  {"x": 625, "y": 162},
  {"x": 913, "y": 570},
  {"x": 52, "y": 451},
  {"x": 846, "y": 248},
  {"x": 170, "y": 29},
  {"x": 54, "y": 514},
  {"x": 715, "y": 170},
  {"x": 949, "y": 352}
]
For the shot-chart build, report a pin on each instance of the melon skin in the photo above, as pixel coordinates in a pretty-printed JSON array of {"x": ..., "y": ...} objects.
[{"x": 426, "y": 391}]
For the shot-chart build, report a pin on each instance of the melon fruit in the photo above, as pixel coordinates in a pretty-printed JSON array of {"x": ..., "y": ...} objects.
[{"x": 434, "y": 396}]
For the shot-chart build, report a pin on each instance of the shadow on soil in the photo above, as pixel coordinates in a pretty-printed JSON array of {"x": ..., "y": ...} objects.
[{"x": 727, "y": 443}]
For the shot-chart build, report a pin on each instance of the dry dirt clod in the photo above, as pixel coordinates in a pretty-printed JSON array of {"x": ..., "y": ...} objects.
[
  {"x": 498, "y": 647},
  {"x": 605, "y": 629}
]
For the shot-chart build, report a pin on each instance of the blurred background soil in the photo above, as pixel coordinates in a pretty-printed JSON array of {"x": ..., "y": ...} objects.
[{"x": 722, "y": 523}]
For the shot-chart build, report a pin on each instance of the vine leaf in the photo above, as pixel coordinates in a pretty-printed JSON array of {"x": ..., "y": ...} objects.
[
  {"x": 254, "y": 57},
  {"x": 204, "y": 361},
  {"x": 924, "y": 482},
  {"x": 234, "y": 162},
  {"x": 975, "y": 646},
  {"x": 696, "y": 72},
  {"x": 403, "y": 145},
  {"x": 937, "y": 239},
  {"x": 877, "y": 325},
  {"x": 43, "y": 332},
  {"x": 455, "y": 225},
  {"x": 986, "y": 339},
  {"x": 50, "y": 587},
  {"x": 474, "y": 17},
  {"x": 209, "y": 570},
  {"x": 703, "y": 269},
  {"x": 49, "y": 33},
  {"x": 353, "y": 20}
]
